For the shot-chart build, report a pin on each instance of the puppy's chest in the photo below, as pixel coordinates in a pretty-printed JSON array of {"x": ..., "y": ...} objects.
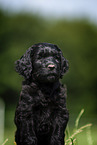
[
  {"x": 44, "y": 116},
  {"x": 45, "y": 99},
  {"x": 45, "y": 110},
  {"x": 45, "y": 106}
]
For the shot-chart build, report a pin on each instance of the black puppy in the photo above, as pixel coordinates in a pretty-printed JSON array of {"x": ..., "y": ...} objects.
[{"x": 41, "y": 115}]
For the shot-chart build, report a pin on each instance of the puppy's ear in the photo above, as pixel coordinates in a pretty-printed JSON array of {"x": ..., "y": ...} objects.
[
  {"x": 64, "y": 63},
  {"x": 64, "y": 66},
  {"x": 24, "y": 66}
]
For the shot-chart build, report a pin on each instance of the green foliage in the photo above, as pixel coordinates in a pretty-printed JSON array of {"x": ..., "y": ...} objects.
[
  {"x": 71, "y": 139},
  {"x": 78, "y": 41},
  {"x": 5, "y": 142}
]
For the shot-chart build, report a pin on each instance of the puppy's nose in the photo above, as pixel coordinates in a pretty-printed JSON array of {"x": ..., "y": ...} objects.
[{"x": 51, "y": 66}]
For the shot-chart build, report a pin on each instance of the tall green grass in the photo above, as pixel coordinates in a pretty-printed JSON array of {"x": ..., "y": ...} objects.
[
  {"x": 71, "y": 138},
  {"x": 5, "y": 141}
]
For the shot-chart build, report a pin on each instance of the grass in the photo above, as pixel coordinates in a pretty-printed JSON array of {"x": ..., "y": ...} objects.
[
  {"x": 72, "y": 139},
  {"x": 79, "y": 136},
  {"x": 5, "y": 141}
]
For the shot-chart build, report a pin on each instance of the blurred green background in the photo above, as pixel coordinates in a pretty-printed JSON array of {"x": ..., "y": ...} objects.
[{"x": 77, "y": 39}]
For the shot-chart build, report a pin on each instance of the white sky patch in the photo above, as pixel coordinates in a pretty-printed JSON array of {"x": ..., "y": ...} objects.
[{"x": 57, "y": 8}]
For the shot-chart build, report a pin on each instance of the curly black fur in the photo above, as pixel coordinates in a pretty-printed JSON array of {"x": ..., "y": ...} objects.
[{"x": 41, "y": 115}]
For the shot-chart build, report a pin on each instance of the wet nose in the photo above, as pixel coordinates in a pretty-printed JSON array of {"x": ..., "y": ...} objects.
[{"x": 51, "y": 66}]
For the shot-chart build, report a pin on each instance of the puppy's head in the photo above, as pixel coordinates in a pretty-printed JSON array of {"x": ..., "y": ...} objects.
[{"x": 42, "y": 62}]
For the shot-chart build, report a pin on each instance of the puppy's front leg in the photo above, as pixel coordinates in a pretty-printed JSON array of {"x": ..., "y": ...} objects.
[
  {"x": 58, "y": 135},
  {"x": 58, "y": 128},
  {"x": 25, "y": 134}
]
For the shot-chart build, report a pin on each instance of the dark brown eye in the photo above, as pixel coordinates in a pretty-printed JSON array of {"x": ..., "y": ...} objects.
[
  {"x": 56, "y": 56},
  {"x": 39, "y": 57}
]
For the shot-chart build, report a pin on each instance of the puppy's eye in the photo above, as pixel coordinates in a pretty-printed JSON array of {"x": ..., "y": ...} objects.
[
  {"x": 56, "y": 57},
  {"x": 39, "y": 57}
]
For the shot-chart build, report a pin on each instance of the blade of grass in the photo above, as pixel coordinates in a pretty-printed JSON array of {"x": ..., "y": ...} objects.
[
  {"x": 67, "y": 132},
  {"x": 78, "y": 118},
  {"x": 78, "y": 131},
  {"x": 5, "y": 141},
  {"x": 89, "y": 136}
]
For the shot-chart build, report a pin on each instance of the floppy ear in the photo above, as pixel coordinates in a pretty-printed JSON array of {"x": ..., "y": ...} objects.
[
  {"x": 64, "y": 63},
  {"x": 24, "y": 65},
  {"x": 64, "y": 66}
]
